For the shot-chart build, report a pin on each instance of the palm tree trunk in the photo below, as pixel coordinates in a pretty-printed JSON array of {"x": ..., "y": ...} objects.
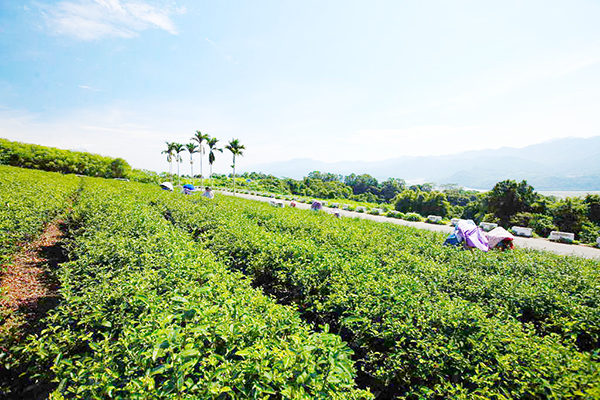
[
  {"x": 201, "y": 176},
  {"x": 233, "y": 175},
  {"x": 192, "y": 169}
]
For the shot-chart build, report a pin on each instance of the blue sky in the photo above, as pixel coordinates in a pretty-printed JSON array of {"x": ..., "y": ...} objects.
[{"x": 329, "y": 80}]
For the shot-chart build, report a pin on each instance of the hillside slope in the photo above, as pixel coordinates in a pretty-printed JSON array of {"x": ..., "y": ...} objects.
[{"x": 564, "y": 164}]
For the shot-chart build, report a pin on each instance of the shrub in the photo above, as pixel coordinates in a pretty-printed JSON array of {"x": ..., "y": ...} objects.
[
  {"x": 144, "y": 176},
  {"x": 589, "y": 233},
  {"x": 542, "y": 225},
  {"x": 521, "y": 219},
  {"x": 490, "y": 218},
  {"x": 412, "y": 217}
]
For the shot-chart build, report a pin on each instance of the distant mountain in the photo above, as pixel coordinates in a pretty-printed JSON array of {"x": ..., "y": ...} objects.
[{"x": 563, "y": 164}]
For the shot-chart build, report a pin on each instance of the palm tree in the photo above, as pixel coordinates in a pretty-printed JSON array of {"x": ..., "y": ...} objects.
[
  {"x": 212, "y": 145},
  {"x": 192, "y": 148},
  {"x": 169, "y": 153},
  {"x": 236, "y": 149},
  {"x": 200, "y": 138},
  {"x": 178, "y": 148}
]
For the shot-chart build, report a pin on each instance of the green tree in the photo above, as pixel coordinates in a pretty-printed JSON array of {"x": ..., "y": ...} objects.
[
  {"x": 542, "y": 224},
  {"x": 508, "y": 198},
  {"x": 589, "y": 233},
  {"x": 325, "y": 176},
  {"x": 362, "y": 183},
  {"x": 391, "y": 187},
  {"x": 199, "y": 137},
  {"x": 169, "y": 151},
  {"x": 212, "y": 145},
  {"x": 192, "y": 148},
  {"x": 592, "y": 201},
  {"x": 569, "y": 214},
  {"x": 475, "y": 209},
  {"x": 424, "y": 203},
  {"x": 423, "y": 187},
  {"x": 236, "y": 149},
  {"x": 177, "y": 149},
  {"x": 120, "y": 168}
]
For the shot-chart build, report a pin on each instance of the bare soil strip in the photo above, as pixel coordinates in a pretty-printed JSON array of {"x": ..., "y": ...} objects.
[
  {"x": 28, "y": 291},
  {"x": 27, "y": 287}
]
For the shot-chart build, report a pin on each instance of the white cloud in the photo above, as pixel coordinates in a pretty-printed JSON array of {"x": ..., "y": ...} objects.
[
  {"x": 89, "y": 88},
  {"x": 98, "y": 19}
]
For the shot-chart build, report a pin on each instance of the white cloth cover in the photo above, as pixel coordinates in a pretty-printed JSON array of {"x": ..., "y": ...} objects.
[{"x": 496, "y": 235}]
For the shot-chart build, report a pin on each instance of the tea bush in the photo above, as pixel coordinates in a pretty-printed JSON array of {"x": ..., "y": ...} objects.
[
  {"x": 426, "y": 321},
  {"x": 147, "y": 313},
  {"x": 157, "y": 303},
  {"x": 28, "y": 200}
]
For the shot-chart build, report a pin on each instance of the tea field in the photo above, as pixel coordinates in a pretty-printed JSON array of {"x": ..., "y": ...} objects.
[{"x": 173, "y": 296}]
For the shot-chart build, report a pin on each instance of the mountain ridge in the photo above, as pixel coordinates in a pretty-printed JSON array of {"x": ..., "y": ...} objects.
[{"x": 560, "y": 164}]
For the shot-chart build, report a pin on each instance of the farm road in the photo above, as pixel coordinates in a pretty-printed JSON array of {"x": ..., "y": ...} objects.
[{"x": 533, "y": 243}]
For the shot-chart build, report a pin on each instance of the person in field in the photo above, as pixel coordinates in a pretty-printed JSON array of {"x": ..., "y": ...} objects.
[
  {"x": 167, "y": 186},
  {"x": 188, "y": 189},
  {"x": 208, "y": 193}
]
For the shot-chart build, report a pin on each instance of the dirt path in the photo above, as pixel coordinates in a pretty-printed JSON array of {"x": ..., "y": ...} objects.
[
  {"x": 533, "y": 243},
  {"x": 28, "y": 291},
  {"x": 27, "y": 288}
]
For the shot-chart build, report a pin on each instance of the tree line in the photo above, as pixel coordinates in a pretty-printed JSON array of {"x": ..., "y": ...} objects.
[
  {"x": 25, "y": 155},
  {"x": 196, "y": 146},
  {"x": 508, "y": 204}
]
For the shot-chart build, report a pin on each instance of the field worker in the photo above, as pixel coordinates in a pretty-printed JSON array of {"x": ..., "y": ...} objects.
[
  {"x": 167, "y": 186},
  {"x": 292, "y": 203},
  {"x": 316, "y": 205},
  {"x": 208, "y": 193},
  {"x": 337, "y": 214},
  {"x": 188, "y": 189}
]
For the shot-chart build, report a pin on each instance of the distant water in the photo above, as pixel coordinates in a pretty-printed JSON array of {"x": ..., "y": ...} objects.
[
  {"x": 563, "y": 194},
  {"x": 567, "y": 193}
]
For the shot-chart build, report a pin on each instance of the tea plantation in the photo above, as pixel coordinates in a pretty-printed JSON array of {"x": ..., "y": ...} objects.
[{"x": 173, "y": 296}]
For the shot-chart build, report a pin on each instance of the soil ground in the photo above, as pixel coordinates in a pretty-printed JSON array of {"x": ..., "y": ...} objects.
[{"x": 28, "y": 291}]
